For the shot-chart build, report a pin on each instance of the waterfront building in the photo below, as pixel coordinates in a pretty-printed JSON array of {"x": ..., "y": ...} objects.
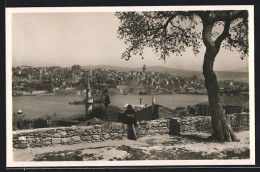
[{"x": 230, "y": 104}]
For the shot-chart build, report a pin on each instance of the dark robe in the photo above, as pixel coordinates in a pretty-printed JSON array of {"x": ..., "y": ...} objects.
[{"x": 131, "y": 122}]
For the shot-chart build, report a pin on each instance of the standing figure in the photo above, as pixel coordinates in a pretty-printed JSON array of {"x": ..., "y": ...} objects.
[
  {"x": 106, "y": 101},
  {"x": 131, "y": 122},
  {"x": 106, "y": 98}
]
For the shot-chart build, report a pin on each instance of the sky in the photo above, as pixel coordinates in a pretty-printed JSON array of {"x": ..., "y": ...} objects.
[{"x": 65, "y": 39}]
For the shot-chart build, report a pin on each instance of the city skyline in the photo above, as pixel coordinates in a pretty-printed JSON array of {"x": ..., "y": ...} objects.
[{"x": 64, "y": 39}]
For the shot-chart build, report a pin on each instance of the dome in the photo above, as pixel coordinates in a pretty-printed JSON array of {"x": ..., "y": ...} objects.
[{"x": 19, "y": 111}]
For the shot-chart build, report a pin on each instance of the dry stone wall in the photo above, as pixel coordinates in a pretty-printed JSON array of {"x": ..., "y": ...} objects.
[{"x": 71, "y": 135}]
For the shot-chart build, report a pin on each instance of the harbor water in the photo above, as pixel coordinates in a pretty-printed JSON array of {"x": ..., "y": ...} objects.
[{"x": 36, "y": 106}]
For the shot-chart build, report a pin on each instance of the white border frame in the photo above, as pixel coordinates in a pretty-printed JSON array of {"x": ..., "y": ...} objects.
[{"x": 9, "y": 149}]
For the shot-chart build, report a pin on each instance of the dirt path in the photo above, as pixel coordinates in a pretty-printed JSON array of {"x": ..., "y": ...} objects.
[{"x": 29, "y": 153}]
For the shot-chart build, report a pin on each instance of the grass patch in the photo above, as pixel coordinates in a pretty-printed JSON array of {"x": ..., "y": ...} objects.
[
  {"x": 60, "y": 156},
  {"x": 181, "y": 154}
]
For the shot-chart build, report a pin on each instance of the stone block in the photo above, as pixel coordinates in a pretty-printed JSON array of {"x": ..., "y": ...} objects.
[
  {"x": 165, "y": 130},
  {"x": 56, "y": 135},
  {"x": 21, "y": 138},
  {"x": 47, "y": 143},
  {"x": 66, "y": 140},
  {"x": 120, "y": 135},
  {"x": 23, "y": 142},
  {"x": 96, "y": 137},
  {"x": 63, "y": 133},
  {"x": 80, "y": 129},
  {"x": 99, "y": 130},
  {"x": 121, "y": 131},
  {"x": 69, "y": 129},
  {"x": 86, "y": 138},
  {"x": 75, "y": 138},
  {"x": 143, "y": 122},
  {"x": 115, "y": 135},
  {"x": 56, "y": 140},
  {"x": 156, "y": 131},
  {"x": 148, "y": 125},
  {"x": 47, "y": 131},
  {"x": 94, "y": 130},
  {"x": 37, "y": 140},
  {"x": 47, "y": 138},
  {"x": 30, "y": 138},
  {"x": 86, "y": 134},
  {"x": 21, "y": 146},
  {"x": 154, "y": 124},
  {"x": 119, "y": 126},
  {"x": 143, "y": 132},
  {"x": 150, "y": 131},
  {"x": 15, "y": 136},
  {"x": 106, "y": 127},
  {"x": 71, "y": 132},
  {"x": 163, "y": 125},
  {"x": 106, "y": 136}
]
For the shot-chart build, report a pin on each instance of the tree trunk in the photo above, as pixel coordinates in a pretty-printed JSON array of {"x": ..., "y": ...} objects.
[{"x": 222, "y": 130}]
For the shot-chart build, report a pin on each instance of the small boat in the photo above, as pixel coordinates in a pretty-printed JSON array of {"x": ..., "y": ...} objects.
[
  {"x": 144, "y": 93},
  {"x": 83, "y": 102},
  {"x": 77, "y": 103},
  {"x": 124, "y": 93}
]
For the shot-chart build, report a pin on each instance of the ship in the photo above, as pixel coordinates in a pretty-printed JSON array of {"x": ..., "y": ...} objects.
[{"x": 81, "y": 102}]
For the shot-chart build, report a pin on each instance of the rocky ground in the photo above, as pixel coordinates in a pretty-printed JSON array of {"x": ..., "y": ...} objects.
[{"x": 159, "y": 147}]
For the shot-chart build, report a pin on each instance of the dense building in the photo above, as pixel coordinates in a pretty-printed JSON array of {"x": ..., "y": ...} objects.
[
  {"x": 76, "y": 70},
  {"x": 40, "y": 78}
]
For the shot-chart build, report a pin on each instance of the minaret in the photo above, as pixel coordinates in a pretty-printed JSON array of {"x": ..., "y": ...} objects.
[
  {"x": 153, "y": 106},
  {"x": 88, "y": 101}
]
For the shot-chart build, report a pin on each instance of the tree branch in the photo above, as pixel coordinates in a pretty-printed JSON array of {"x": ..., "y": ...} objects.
[
  {"x": 188, "y": 13},
  {"x": 228, "y": 15},
  {"x": 224, "y": 34}
]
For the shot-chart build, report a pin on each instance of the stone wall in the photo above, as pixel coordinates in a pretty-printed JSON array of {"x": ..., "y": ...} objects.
[
  {"x": 203, "y": 123},
  {"x": 70, "y": 135},
  {"x": 154, "y": 127},
  {"x": 239, "y": 121},
  {"x": 195, "y": 124}
]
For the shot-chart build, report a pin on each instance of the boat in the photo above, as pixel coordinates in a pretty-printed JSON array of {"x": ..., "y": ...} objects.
[
  {"x": 124, "y": 93},
  {"x": 144, "y": 93},
  {"x": 77, "y": 103},
  {"x": 81, "y": 102}
]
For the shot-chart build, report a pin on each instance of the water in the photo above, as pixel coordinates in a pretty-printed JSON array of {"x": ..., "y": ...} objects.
[{"x": 36, "y": 106}]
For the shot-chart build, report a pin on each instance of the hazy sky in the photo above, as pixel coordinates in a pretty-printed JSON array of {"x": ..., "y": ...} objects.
[{"x": 64, "y": 39}]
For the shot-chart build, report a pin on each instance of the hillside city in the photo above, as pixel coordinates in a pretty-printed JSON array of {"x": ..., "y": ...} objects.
[{"x": 29, "y": 80}]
